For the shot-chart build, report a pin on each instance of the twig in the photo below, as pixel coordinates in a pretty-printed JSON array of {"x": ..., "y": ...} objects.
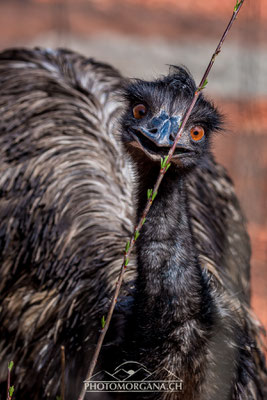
[
  {"x": 165, "y": 164},
  {"x": 10, "y": 389},
  {"x": 8, "y": 383},
  {"x": 62, "y": 384}
]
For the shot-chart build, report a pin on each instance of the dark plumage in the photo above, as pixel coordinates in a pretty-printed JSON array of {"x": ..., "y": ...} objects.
[
  {"x": 66, "y": 210},
  {"x": 183, "y": 320}
]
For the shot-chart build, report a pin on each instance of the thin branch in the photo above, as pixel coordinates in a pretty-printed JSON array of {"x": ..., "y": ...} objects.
[
  {"x": 62, "y": 383},
  {"x": 8, "y": 383},
  {"x": 10, "y": 389},
  {"x": 165, "y": 164}
]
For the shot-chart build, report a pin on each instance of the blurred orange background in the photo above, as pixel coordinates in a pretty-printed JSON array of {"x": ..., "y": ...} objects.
[{"x": 140, "y": 38}]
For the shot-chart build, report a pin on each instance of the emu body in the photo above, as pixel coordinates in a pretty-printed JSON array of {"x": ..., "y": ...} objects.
[
  {"x": 178, "y": 323},
  {"x": 67, "y": 192}
]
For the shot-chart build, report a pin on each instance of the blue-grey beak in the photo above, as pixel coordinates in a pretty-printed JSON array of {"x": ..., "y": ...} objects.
[{"x": 162, "y": 129}]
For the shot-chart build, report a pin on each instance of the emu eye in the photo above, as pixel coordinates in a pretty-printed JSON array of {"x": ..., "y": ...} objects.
[
  {"x": 197, "y": 133},
  {"x": 139, "y": 111}
]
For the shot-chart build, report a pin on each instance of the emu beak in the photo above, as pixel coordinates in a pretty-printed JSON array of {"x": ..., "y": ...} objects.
[
  {"x": 157, "y": 137},
  {"x": 162, "y": 130}
]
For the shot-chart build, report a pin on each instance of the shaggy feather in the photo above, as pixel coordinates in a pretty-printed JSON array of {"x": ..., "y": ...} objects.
[{"x": 66, "y": 211}]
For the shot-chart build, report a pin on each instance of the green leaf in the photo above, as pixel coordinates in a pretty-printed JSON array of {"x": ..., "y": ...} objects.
[
  {"x": 103, "y": 322},
  {"x": 127, "y": 246},
  {"x": 237, "y": 5},
  {"x": 149, "y": 193},
  {"x": 163, "y": 162},
  {"x": 144, "y": 220},
  {"x": 154, "y": 195},
  {"x": 58, "y": 398},
  {"x": 168, "y": 166},
  {"x": 136, "y": 235},
  {"x": 204, "y": 84},
  {"x": 10, "y": 365},
  {"x": 126, "y": 262},
  {"x": 11, "y": 391}
]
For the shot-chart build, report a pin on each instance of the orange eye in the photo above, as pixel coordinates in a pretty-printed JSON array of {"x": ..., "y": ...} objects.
[
  {"x": 197, "y": 133},
  {"x": 139, "y": 111}
]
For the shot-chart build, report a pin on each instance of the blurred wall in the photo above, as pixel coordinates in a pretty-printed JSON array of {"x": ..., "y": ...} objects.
[{"x": 141, "y": 37}]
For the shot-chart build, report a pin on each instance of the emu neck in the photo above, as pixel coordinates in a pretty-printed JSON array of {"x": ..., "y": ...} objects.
[
  {"x": 169, "y": 276},
  {"x": 173, "y": 305}
]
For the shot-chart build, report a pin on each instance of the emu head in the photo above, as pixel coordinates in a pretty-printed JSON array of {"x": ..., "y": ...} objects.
[{"x": 153, "y": 114}]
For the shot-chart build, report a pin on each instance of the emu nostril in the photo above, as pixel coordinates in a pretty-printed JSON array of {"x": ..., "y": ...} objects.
[
  {"x": 172, "y": 137},
  {"x": 154, "y": 130}
]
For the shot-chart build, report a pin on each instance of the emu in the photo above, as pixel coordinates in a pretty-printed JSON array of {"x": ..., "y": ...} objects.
[{"x": 73, "y": 155}]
